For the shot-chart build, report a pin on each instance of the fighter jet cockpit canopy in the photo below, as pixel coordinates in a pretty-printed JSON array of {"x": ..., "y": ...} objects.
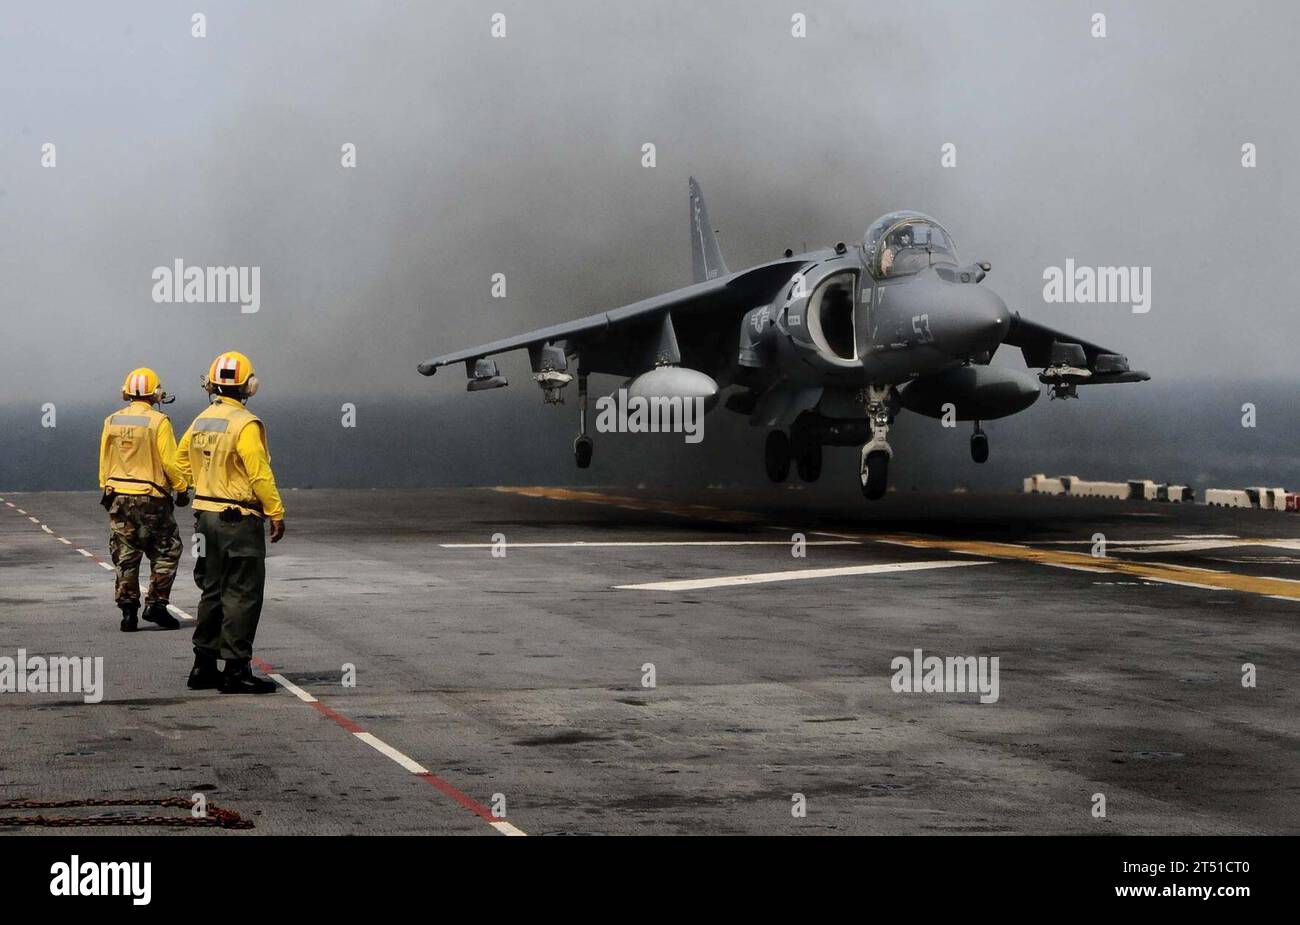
[{"x": 905, "y": 243}]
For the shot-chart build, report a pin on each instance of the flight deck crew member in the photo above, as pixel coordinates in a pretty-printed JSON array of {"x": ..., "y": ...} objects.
[
  {"x": 137, "y": 475},
  {"x": 224, "y": 455}
]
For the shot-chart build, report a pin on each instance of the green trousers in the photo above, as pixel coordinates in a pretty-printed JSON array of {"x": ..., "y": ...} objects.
[
  {"x": 231, "y": 575},
  {"x": 143, "y": 525}
]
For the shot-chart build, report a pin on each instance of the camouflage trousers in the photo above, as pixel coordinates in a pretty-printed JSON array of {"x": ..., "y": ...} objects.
[{"x": 143, "y": 525}]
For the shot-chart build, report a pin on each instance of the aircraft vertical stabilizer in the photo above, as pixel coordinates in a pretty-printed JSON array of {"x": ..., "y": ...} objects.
[{"x": 706, "y": 254}]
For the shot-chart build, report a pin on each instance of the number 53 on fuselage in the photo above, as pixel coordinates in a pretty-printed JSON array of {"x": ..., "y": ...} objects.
[{"x": 823, "y": 348}]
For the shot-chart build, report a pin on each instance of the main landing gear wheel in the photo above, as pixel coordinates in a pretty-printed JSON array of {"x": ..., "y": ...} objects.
[
  {"x": 776, "y": 456},
  {"x": 875, "y": 475},
  {"x": 809, "y": 462},
  {"x": 979, "y": 445},
  {"x": 582, "y": 449}
]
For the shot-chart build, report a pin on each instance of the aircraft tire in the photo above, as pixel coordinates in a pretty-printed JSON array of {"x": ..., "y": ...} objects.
[
  {"x": 877, "y": 480},
  {"x": 776, "y": 456},
  {"x": 979, "y": 447},
  {"x": 809, "y": 462}
]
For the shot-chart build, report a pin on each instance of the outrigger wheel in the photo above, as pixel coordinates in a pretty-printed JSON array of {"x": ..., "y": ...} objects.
[
  {"x": 776, "y": 456},
  {"x": 979, "y": 445},
  {"x": 582, "y": 449}
]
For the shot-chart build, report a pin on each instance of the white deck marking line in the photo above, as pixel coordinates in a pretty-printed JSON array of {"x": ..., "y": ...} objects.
[
  {"x": 179, "y": 614},
  {"x": 693, "y": 584},
  {"x": 106, "y": 566},
  {"x": 633, "y": 543},
  {"x": 920, "y": 544},
  {"x": 47, "y": 529},
  {"x": 65, "y": 541},
  {"x": 20, "y": 510},
  {"x": 506, "y": 828},
  {"x": 33, "y": 520},
  {"x": 86, "y": 553},
  {"x": 388, "y": 751},
  {"x": 1185, "y": 584},
  {"x": 1080, "y": 568},
  {"x": 1278, "y": 597},
  {"x": 292, "y": 688}
]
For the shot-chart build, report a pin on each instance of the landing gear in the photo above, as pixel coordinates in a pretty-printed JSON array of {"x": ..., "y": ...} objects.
[
  {"x": 776, "y": 456},
  {"x": 874, "y": 471},
  {"x": 875, "y": 475},
  {"x": 809, "y": 462},
  {"x": 979, "y": 444},
  {"x": 583, "y": 445}
]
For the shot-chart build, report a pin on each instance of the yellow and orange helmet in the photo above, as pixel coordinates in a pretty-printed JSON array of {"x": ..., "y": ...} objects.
[
  {"x": 232, "y": 368},
  {"x": 142, "y": 383}
]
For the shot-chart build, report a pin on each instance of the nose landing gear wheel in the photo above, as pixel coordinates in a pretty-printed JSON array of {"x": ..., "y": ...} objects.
[
  {"x": 582, "y": 450},
  {"x": 979, "y": 446},
  {"x": 809, "y": 463},
  {"x": 776, "y": 456},
  {"x": 875, "y": 475}
]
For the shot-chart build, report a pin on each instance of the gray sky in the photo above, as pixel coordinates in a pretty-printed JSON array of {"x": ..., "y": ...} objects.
[{"x": 522, "y": 155}]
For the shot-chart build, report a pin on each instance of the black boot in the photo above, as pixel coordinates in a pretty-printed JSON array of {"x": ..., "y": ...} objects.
[
  {"x": 128, "y": 624},
  {"x": 204, "y": 676},
  {"x": 156, "y": 612},
  {"x": 238, "y": 678}
]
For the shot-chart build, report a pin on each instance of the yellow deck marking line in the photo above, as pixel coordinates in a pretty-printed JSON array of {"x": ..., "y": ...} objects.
[
  {"x": 1285, "y": 588},
  {"x": 633, "y": 504}
]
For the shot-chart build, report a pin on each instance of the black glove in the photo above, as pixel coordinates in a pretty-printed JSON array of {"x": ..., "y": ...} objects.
[{"x": 183, "y": 498}]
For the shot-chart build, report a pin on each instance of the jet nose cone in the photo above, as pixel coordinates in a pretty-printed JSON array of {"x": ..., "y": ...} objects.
[{"x": 978, "y": 325}]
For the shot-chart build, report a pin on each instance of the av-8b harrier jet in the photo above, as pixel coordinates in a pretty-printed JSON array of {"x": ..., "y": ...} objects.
[{"x": 823, "y": 348}]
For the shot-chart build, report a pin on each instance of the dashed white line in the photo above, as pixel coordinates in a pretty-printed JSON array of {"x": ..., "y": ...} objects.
[
  {"x": 86, "y": 553},
  {"x": 105, "y": 565},
  {"x": 47, "y": 529},
  {"x": 695, "y": 584},
  {"x": 292, "y": 688},
  {"x": 387, "y": 750},
  {"x": 179, "y": 614},
  {"x": 65, "y": 541},
  {"x": 506, "y": 828}
]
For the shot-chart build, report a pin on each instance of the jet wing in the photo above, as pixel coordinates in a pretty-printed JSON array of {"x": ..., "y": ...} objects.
[
  {"x": 615, "y": 340},
  {"x": 1066, "y": 359}
]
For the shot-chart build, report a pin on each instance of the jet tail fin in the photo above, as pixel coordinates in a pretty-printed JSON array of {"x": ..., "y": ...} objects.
[{"x": 706, "y": 254}]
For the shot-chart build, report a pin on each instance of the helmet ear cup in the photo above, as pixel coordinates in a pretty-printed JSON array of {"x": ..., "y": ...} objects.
[{"x": 250, "y": 387}]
